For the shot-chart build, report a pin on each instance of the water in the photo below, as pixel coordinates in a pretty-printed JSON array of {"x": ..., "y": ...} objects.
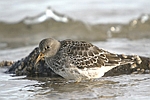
[
  {"x": 131, "y": 87},
  {"x": 91, "y": 11},
  {"x": 123, "y": 27}
]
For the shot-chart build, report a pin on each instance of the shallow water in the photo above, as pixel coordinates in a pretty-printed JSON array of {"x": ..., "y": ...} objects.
[
  {"x": 20, "y": 37},
  {"x": 131, "y": 87}
]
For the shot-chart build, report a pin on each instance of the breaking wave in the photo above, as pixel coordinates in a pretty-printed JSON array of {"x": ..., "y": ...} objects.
[{"x": 52, "y": 24}]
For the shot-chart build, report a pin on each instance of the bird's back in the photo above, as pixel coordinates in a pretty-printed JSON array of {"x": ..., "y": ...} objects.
[
  {"x": 83, "y": 54},
  {"x": 81, "y": 59}
]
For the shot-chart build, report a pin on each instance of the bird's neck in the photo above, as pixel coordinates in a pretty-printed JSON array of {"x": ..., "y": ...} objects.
[{"x": 56, "y": 47}]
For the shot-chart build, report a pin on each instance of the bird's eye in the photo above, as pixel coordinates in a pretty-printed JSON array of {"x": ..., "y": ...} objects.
[{"x": 48, "y": 47}]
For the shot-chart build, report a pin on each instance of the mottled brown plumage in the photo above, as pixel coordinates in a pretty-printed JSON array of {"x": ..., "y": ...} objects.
[{"x": 78, "y": 60}]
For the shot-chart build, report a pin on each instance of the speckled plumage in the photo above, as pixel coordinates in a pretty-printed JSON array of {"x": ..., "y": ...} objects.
[{"x": 78, "y": 60}]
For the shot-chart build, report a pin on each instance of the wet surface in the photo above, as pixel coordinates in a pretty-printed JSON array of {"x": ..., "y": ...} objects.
[{"x": 131, "y": 87}]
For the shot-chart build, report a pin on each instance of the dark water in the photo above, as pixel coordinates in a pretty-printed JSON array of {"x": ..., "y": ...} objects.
[{"x": 117, "y": 26}]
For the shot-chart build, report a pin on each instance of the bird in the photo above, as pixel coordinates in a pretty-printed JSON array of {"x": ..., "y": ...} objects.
[{"x": 78, "y": 60}]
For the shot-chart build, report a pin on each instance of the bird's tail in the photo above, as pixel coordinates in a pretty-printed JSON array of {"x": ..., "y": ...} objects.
[
  {"x": 126, "y": 59},
  {"x": 117, "y": 60}
]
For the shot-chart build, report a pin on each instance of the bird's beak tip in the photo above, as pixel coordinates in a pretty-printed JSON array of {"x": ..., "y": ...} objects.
[{"x": 40, "y": 56}]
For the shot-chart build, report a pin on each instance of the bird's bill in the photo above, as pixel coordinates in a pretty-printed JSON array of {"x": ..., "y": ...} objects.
[{"x": 40, "y": 56}]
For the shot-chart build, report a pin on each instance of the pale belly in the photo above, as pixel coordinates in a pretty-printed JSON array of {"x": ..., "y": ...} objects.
[{"x": 83, "y": 74}]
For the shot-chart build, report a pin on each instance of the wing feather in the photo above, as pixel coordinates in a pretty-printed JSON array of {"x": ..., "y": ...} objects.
[{"x": 85, "y": 55}]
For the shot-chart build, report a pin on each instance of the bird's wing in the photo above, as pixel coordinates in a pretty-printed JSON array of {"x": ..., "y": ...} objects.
[{"x": 85, "y": 55}]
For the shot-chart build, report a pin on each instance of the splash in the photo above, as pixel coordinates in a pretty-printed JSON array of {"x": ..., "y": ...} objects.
[{"x": 48, "y": 14}]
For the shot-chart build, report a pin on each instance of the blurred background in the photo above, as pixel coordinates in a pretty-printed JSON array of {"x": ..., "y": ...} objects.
[
  {"x": 91, "y": 11},
  {"x": 26, "y": 22}
]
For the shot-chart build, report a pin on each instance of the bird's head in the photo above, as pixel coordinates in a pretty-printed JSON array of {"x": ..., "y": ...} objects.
[{"x": 48, "y": 48}]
